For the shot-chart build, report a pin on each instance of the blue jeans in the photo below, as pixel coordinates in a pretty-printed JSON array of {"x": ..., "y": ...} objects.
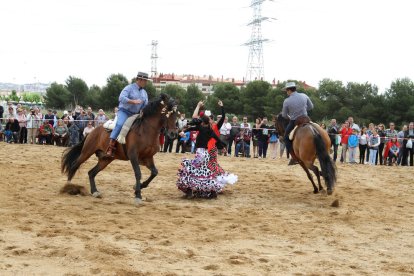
[
  {"x": 122, "y": 116},
  {"x": 288, "y": 129}
]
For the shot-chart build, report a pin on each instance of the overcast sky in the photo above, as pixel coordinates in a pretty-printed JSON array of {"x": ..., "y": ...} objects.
[{"x": 351, "y": 41}]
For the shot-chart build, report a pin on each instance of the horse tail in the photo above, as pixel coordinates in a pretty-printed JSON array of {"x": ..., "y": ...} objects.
[
  {"x": 70, "y": 162},
  {"x": 327, "y": 165}
]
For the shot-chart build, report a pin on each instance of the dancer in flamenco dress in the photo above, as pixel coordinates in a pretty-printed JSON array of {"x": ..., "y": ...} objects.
[{"x": 202, "y": 176}]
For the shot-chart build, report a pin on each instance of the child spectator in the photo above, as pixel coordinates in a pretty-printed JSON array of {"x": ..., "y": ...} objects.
[
  {"x": 363, "y": 141},
  {"x": 352, "y": 146},
  {"x": 373, "y": 143}
]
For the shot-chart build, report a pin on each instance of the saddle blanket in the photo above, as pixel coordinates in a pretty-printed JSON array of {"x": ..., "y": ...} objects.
[
  {"x": 110, "y": 124},
  {"x": 292, "y": 133}
]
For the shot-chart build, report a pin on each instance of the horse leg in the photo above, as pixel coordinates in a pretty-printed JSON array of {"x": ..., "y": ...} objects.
[
  {"x": 135, "y": 165},
  {"x": 318, "y": 176},
  {"x": 154, "y": 173},
  {"x": 102, "y": 163},
  {"x": 315, "y": 189}
]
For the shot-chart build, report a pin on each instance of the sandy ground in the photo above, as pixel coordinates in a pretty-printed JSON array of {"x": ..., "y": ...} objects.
[{"x": 269, "y": 223}]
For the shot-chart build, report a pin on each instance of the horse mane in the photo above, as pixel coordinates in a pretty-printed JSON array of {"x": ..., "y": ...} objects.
[
  {"x": 152, "y": 108},
  {"x": 283, "y": 121}
]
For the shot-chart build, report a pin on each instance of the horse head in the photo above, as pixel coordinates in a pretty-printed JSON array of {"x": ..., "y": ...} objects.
[
  {"x": 169, "y": 113},
  {"x": 281, "y": 124}
]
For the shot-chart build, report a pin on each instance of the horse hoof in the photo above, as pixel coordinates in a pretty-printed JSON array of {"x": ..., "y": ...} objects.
[
  {"x": 138, "y": 201},
  {"x": 330, "y": 192},
  {"x": 97, "y": 195},
  {"x": 315, "y": 191}
]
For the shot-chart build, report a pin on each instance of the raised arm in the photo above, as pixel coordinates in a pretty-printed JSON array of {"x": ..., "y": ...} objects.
[
  {"x": 197, "y": 109},
  {"x": 223, "y": 114}
]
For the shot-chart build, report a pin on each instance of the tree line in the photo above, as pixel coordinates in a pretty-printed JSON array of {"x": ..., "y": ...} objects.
[{"x": 333, "y": 99}]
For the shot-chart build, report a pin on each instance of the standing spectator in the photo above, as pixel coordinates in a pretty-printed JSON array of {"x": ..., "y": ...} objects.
[
  {"x": 182, "y": 141},
  {"x": 363, "y": 142},
  {"x": 46, "y": 132},
  {"x": 382, "y": 135},
  {"x": 391, "y": 151},
  {"x": 88, "y": 129},
  {"x": 100, "y": 118},
  {"x": 83, "y": 121},
  {"x": 408, "y": 145},
  {"x": 373, "y": 143},
  {"x": 61, "y": 134},
  {"x": 353, "y": 125},
  {"x": 73, "y": 135},
  {"x": 181, "y": 124},
  {"x": 224, "y": 134},
  {"x": 169, "y": 140},
  {"x": 21, "y": 117},
  {"x": 235, "y": 129},
  {"x": 12, "y": 130},
  {"x": 346, "y": 131},
  {"x": 50, "y": 117},
  {"x": 368, "y": 134},
  {"x": 390, "y": 133},
  {"x": 400, "y": 139},
  {"x": 323, "y": 126},
  {"x": 161, "y": 139},
  {"x": 273, "y": 140},
  {"x": 1, "y": 113},
  {"x": 10, "y": 113},
  {"x": 1, "y": 131},
  {"x": 193, "y": 138},
  {"x": 263, "y": 138},
  {"x": 352, "y": 146},
  {"x": 91, "y": 115},
  {"x": 255, "y": 138},
  {"x": 333, "y": 132}
]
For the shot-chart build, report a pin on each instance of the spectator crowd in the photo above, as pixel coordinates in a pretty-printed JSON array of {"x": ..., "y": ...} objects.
[{"x": 372, "y": 144}]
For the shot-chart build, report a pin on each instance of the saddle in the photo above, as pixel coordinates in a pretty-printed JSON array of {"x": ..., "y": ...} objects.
[
  {"x": 300, "y": 122},
  {"x": 109, "y": 126}
]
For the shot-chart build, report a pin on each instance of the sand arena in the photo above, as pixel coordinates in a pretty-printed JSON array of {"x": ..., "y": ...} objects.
[{"x": 269, "y": 223}]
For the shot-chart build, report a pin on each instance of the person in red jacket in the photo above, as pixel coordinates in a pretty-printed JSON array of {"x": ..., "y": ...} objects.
[
  {"x": 346, "y": 131},
  {"x": 391, "y": 151}
]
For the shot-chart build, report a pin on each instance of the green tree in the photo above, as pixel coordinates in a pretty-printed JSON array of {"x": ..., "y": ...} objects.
[
  {"x": 400, "y": 101},
  {"x": 93, "y": 97},
  {"x": 191, "y": 97},
  {"x": 176, "y": 92},
  {"x": 230, "y": 95},
  {"x": 77, "y": 88},
  {"x": 57, "y": 96},
  {"x": 13, "y": 96},
  {"x": 151, "y": 90},
  {"x": 254, "y": 98},
  {"x": 31, "y": 97},
  {"x": 110, "y": 93}
]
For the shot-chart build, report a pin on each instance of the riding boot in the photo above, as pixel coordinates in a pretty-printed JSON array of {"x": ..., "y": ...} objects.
[
  {"x": 110, "y": 152},
  {"x": 293, "y": 159}
]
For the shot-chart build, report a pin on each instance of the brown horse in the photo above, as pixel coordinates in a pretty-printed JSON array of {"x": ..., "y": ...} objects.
[
  {"x": 312, "y": 141},
  {"x": 141, "y": 145}
]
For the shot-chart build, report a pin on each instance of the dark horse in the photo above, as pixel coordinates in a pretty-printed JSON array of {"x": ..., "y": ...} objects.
[
  {"x": 141, "y": 145},
  {"x": 312, "y": 141}
]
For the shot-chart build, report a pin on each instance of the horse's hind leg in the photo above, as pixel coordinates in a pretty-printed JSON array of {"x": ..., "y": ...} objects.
[
  {"x": 315, "y": 189},
  {"x": 318, "y": 175},
  {"x": 154, "y": 172},
  {"x": 102, "y": 163}
]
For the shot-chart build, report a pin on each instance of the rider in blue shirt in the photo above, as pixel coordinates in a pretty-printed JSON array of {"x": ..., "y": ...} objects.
[{"x": 132, "y": 100}]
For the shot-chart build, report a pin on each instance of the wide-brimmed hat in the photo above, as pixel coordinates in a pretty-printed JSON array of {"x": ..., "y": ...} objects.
[
  {"x": 290, "y": 84},
  {"x": 142, "y": 76}
]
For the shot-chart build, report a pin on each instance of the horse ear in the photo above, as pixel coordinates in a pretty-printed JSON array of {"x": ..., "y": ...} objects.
[{"x": 164, "y": 97}]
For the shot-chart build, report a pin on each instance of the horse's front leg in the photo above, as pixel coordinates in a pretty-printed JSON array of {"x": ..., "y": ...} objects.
[
  {"x": 137, "y": 171},
  {"x": 154, "y": 173}
]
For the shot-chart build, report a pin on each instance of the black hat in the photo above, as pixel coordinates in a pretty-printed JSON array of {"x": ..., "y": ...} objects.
[{"x": 142, "y": 76}]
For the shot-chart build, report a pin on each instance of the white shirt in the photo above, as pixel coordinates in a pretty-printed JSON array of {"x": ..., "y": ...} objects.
[{"x": 225, "y": 129}]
